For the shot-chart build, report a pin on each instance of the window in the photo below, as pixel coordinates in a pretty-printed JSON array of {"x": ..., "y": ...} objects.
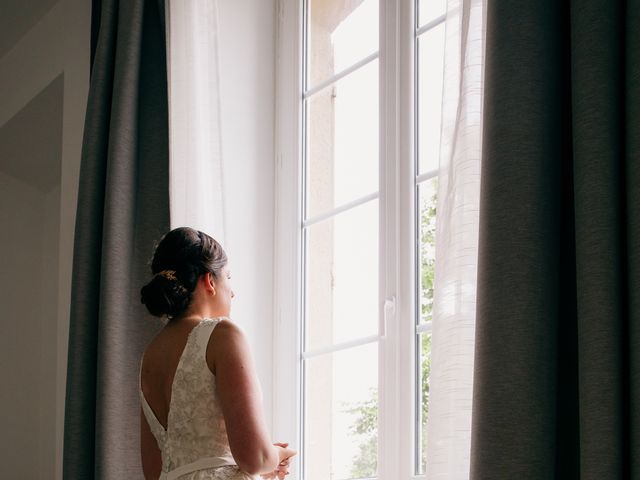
[
  {"x": 340, "y": 248},
  {"x": 359, "y": 91}
]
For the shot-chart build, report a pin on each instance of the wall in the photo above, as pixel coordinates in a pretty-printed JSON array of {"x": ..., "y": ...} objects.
[
  {"x": 28, "y": 394},
  {"x": 37, "y": 218},
  {"x": 247, "y": 44}
]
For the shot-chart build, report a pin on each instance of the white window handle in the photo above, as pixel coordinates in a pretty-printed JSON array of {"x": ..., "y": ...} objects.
[{"x": 389, "y": 311}]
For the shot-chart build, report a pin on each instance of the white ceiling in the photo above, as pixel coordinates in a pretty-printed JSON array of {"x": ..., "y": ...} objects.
[{"x": 17, "y": 17}]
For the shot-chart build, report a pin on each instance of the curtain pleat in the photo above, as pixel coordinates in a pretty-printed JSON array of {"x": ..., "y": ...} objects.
[
  {"x": 632, "y": 221},
  {"x": 454, "y": 302},
  {"x": 558, "y": 304},
  {"x": 123, "y": 209},
  {"x": 196, "y": 174}
]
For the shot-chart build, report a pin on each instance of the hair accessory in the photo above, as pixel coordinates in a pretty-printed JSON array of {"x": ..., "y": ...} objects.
[{"x": 168, "y": 274}]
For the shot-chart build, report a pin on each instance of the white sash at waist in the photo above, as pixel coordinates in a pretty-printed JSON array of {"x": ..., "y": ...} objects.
[{"x": 200, "y": 464}]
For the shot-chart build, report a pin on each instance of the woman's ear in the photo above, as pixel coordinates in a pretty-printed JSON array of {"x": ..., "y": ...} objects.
[{"x": 211, "y": 284}]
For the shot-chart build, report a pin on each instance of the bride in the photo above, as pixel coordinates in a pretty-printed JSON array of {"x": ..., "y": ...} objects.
[{"x": 201, "y": 401}]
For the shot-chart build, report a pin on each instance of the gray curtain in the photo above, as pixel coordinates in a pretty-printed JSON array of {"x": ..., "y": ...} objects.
[
  {"x": 123, "y": 209},
  {"x": 556, "y": 382}
]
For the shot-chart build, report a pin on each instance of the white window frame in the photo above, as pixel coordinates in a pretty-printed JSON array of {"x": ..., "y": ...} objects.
[{"x": 398, "y": 265}]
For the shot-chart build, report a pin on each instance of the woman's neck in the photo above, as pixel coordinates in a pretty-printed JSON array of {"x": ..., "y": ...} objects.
[{"x": 192, "y": 315}]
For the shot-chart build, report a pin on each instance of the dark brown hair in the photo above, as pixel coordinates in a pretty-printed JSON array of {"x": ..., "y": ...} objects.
[{"x": 190, "y": 253}]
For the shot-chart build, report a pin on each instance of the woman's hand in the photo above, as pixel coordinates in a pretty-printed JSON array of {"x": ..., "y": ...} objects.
[{"x": 284, "y": 455}]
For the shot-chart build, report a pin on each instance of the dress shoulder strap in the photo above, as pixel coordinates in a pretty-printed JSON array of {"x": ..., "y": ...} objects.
[{"x": 204, "y": 333}]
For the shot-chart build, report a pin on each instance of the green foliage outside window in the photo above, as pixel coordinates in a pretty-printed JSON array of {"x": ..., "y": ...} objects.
[{"x": 365, "y": 427}]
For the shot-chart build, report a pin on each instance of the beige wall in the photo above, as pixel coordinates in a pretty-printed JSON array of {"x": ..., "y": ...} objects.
[
  {"x": 37, "y": 216},
  {"x": 28, "y": 295},
  {"x": 29, "y": 219}
]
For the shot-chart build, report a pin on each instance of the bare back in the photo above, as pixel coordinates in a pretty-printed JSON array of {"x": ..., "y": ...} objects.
[{"x": 159, "y": 365}]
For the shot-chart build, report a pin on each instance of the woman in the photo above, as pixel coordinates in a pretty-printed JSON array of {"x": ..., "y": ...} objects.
[{"x": 201, "y": 402}]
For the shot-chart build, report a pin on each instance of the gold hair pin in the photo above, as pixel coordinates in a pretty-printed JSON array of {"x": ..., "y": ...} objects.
[{"x": 168, "y": 274}]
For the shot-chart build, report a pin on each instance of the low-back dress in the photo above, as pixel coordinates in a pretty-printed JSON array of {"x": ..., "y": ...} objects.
[{"x": 194, "y": 445}]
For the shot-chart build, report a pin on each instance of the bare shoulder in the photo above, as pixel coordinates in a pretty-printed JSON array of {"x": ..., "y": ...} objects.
[
  {"x": 228, "y": 326},
  {"x": 227, "y": 340},
  {"x": 227, "y": 333}
]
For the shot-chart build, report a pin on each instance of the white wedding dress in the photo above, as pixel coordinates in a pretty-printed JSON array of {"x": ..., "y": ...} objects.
[{"x": 195, "y": 445}]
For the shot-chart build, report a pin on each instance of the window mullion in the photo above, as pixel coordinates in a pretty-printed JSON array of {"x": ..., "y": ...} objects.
[
  {"x": 398, "y": 240},
  {"x": 390, "y": 429},
  {"x": 407, "y": 237}
]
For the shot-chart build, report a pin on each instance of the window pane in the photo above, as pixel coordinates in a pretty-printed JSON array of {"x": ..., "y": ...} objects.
[
  {"x": 342, "y": 159},
  {"x": 427, "y": 201},
  {"x": 430, "y": 77},
  {"x": 340, "y": 34},
  {"x": 341, "y": 414},
  {"x": 424, "y": 370},
  {"x": 342, "y": 277},
  {"x": 429, "y": 10}
]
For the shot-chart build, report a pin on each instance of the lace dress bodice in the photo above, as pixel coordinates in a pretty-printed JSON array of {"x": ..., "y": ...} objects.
[{"x": 195, "y": 445}]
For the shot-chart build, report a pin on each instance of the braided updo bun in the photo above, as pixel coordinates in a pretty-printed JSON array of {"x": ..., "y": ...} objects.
[{"x": 181, "y": 257}]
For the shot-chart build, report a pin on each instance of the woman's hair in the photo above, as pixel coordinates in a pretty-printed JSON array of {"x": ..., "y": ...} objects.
[{"x": 181, "y": 257}]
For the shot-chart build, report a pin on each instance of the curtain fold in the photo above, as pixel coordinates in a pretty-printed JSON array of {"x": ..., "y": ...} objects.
[
  {"x": 556, "y": 385},
  {"x": 123, "y": 209},
  {"x": 454, "y": 301}
]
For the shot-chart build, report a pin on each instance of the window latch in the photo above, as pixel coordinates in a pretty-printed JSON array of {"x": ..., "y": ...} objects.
[{"x": 388, "y": 311}]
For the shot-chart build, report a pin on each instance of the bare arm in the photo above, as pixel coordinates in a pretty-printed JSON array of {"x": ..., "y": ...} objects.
[
  {"x": 151, "y": 456},
  {"x": 239, "y": 394}
]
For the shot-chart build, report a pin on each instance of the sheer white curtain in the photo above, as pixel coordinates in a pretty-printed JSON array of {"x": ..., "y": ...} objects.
[
  {"x": 196, "y": 182},
  {"x": 453, "y": 330}
]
